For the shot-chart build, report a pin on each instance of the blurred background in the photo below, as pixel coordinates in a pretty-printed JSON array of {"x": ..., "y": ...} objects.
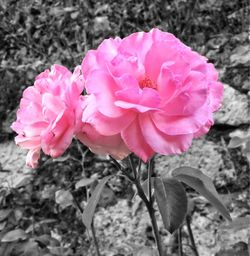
[{"x": 35, "y": 34}]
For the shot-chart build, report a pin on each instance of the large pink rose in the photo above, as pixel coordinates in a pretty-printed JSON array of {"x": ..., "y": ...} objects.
[
  {"x": 151, "y": 91},
  {"x": 49, "y": 113}
]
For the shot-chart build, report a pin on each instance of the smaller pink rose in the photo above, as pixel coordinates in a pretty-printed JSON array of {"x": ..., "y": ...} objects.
[{"x": 49, "y": 116}]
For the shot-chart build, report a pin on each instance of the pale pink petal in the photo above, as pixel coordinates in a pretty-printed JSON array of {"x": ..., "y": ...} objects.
[
  {"x": 110, "y": 126},
  {"x": 33, "y": 157},
  {"x": 137, "y": 99},
  {"x": 158, "y": 35},
  {"x": 57, "y": 138},
  {"x": 52, "y": 106},
  {"x": 136, "y": 44},
  {"x": 103, "y": 145},
  {"x": 97, "y": 59},
  {"x": 159, "y": 53},
  {"x": 191, "y": 97},
  {"x": 102, "y": 85},
  {"x": 28, "y": 142},
  {"x": 216, "y": 95},
  {"x": 204, "y": 129},
  {"x": 160, "y": 142},
  {"x": 130, "y": 63},
  {"x": 135, "y": 141},
  {"x": 177, "y": 125}
]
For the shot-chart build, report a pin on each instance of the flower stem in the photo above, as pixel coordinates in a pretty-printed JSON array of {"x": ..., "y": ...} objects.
[
  {"x": 188, "y": 219},
  {"x": 149, "y": 204},
  {"x": 151, "y": 212},
  {"x": 94, "y": 239},
  {"x": 180, "y": 242},
  {"x": 149, "y": 182}
]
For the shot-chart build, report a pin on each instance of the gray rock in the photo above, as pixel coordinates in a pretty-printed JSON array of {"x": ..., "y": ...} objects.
[
  {"x": 203, "y": 155},
  {"x": 234, "y": 110}
]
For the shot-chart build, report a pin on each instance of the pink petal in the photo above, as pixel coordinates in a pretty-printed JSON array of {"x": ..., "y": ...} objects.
[
  {"x": 52, "y": 106},
  {"x": 136, "y": 44},
  {"x": 57, "y": 138},
  {"x": 189, "y": 98},
  {"x": 124, "y": 64},
  {"x": 103, "y": 145},
  {"x": 33, "y": 157},
  {"x": 102, "y": 85},
  {"x": 110, "y": 126},
  {"x": 159, "y": 53},
  {"x": 32, "y": 94},
  {"x": 135, "y": 141},
  {"x": 137, "y": 99},
  {"x": 216, "y": 95},
  {"x": 97, "y": 59},
  {"x": 28, "y": 142},
  {"x": 177, "y": 125},
  {"x": 158, "y": 35},
  {"x": 204, "y": 129},
  {"x": 160, "y": 142}
]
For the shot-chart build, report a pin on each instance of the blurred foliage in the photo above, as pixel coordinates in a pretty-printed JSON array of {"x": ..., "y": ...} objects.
[{"x": 34, "y": 34}]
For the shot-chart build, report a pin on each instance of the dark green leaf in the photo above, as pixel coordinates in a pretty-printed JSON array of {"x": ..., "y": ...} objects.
[
  {"x": 172, "y": 202},
  {"x": 203, "y": 184},
  {"x": 89, "y": 211},
  {"x": 14, "y": 235}
]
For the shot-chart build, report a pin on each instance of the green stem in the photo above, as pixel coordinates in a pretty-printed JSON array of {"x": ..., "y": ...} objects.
[
  {"x": 180, "y": 242},
  {"x": 149, "y": 182},
  {"x": 188, "y": 220},
  {"x": 131, "y": 162},
  {"x": 94, "y": 239},
  {"x": 151, "y": 212},
  {"x": 149, "y": 204}
]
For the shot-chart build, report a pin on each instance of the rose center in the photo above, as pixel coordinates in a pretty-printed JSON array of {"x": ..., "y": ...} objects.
[{"x": 146, "y": 82}]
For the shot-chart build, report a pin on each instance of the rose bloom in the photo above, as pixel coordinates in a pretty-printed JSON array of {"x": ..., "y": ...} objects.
[
  {"x": 150, "y": 91},
  {"x": 49, "y": 113}
]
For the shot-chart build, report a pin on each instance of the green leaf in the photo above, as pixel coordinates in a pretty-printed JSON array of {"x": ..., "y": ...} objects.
[
  {"x": 89, "y": 211},
  {"x": 203, "y": 184},
  {"x": 84, "y": 182},
  {"x": 172, "y": 202},
  {"x": 14, "y": 235}
]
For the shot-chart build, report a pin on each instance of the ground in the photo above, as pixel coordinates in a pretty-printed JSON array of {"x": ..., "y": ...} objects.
[{"x": 36, "y": 34}]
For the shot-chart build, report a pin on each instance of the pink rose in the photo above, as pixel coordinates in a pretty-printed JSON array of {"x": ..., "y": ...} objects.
[
  {"x": 151, "y": 91},
  {"x": 49, "y": 113}
]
